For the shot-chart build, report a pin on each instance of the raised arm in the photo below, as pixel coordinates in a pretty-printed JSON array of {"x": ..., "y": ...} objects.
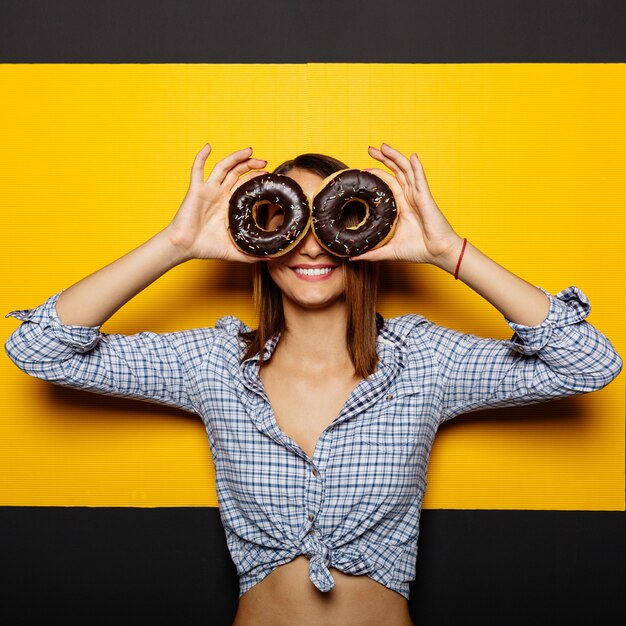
[
  {"x": 60, "y": 340},
  {"x": 554, "y": 351},
  {"x": 198, "y": 231},
  {"x": 424, "y": 235}
]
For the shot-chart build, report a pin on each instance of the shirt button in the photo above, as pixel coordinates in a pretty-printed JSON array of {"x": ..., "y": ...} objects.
[
  {"x": 389, "y": 397},
  {"x": 315, "y": 472},
  {"x": 311, "y": 517}
]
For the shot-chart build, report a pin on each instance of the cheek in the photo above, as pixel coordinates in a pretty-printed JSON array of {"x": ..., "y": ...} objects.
[
  {"x": 277, "y": 270},
  {"x": 271, "y": 269}
]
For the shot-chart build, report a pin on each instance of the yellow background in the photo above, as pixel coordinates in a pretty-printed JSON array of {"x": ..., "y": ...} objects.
[{"x": 526, "y": 160}]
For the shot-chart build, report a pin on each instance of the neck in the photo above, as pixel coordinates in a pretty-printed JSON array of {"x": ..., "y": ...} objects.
[{"x": 315, "y": 338}]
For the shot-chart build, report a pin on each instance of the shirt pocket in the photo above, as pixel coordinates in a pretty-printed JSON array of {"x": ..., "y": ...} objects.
[
  {"x": 397, "y": 419},
  {"x": 394, "y": 442}
]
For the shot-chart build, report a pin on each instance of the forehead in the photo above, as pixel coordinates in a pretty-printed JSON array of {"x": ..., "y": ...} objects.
[{"x": 309, "y": 181}]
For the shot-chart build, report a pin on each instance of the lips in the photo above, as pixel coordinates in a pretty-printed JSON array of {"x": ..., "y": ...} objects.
[{"x": 313, "y": 272}]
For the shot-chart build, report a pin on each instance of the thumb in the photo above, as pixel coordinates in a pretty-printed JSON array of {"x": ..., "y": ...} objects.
[{"x": 371, "y": 255}]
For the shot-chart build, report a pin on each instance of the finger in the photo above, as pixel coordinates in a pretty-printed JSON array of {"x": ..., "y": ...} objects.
[
  {"x": 418, "y": 171},
  {"x": 246, "y": 177},
  {"x": 240, "y": 255},
  {"x": 197, "y": 169},
  {"x": 221, "y": 169},
  {"x": 390, "y": 163},
  {"x": 380, "y": 254},
  {"x": 401, "y": 161},
  {"x": 232, "y": 179},
  {"x": 380, "y": 156},
  {"x": 249, "y": 258}
]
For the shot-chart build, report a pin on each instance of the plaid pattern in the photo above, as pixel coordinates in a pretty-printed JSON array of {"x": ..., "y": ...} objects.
[{"x": 356, "y": 505}]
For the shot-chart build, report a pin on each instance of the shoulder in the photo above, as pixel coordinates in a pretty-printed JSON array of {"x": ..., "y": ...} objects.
[
  {"x": 404, "y": 327},
  {"x": 212, "y": 349},
  {"x": 228, "y": 331},
  {"x": 231, "y": 326},
  {"x": 419, "y": 334},
  {"x": 409, "y": 334},
  {"x": 229, "y": 340},
  {"x": 201, "y": 341}
]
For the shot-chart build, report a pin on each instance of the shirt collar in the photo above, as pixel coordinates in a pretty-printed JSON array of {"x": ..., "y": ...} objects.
[
  {"x": 390, "y": 346},
  {"x": 391, "y": 349}
]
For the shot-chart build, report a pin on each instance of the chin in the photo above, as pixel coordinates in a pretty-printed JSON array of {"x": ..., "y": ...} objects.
[{"x": 317, "y": 303}]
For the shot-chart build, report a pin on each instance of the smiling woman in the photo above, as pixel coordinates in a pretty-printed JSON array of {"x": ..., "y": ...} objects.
[
  {"x": 355, "y": 283},
  {"x": 308, "y": 262},
  {"x": 321, "y": 420}
]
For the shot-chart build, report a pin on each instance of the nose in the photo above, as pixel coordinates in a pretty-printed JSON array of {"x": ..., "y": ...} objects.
[{"x": 309, "y": 245}]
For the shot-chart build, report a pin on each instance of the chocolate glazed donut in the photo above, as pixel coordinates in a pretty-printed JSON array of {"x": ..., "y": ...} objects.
[
  {"x": 330, "y": 202},
  {"x": 248, "y": 235}
]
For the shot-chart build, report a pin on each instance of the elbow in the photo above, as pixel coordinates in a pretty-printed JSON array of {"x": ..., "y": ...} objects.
[
  {"x": 604, "y": 364},
  {"x": 587, "y": 380},
  {"x": 613, "y": 371},
  {"x": 613, "y": 367},
  {"x": 29, "y": 356},
  {"x": 14, "y": 351},
  {"x": 596, "y": 380}
]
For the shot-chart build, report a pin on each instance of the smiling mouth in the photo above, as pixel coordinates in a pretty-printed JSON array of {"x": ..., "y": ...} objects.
[{"x": 318, "y": 271}]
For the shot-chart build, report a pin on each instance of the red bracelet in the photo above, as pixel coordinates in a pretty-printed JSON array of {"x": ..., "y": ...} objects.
[{"x": 456, "y": 272}]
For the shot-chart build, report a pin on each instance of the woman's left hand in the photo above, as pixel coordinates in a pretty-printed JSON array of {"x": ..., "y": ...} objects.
[{"x": 422, "y": 234}]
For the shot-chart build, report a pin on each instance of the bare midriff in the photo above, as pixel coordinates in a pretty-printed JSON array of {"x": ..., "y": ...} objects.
[{"x": 287, "y": 596}]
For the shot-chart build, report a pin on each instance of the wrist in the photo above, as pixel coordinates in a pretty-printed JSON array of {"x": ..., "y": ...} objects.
[
  {"x": 175, "y": 252},
  {"x": 449, "y": 258}
]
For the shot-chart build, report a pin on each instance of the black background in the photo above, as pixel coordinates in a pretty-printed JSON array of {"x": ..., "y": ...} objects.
[
  {"x": 322, "y": 31},
  {"x": 85, "y": 565},
  {"x": 122, "y": 566}
]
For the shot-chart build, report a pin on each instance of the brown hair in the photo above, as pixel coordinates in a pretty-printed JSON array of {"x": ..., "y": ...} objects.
[{"x": 361, "y": 286}]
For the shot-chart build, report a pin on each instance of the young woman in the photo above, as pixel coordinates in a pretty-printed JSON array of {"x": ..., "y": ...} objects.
[{"x": 321, "y": 421}]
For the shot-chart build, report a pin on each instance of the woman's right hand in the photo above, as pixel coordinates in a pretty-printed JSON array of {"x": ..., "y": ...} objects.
[{"x": 200, "y": 227}]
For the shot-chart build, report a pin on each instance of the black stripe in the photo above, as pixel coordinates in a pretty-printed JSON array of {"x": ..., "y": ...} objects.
[
  {"x": 171, "y": 566},
  {"x": 284, "y": 31}
]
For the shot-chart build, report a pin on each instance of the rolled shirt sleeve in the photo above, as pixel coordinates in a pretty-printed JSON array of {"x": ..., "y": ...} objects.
[
  {"x": 148, "y": 366},
  {"x": 564, "y": 355}
]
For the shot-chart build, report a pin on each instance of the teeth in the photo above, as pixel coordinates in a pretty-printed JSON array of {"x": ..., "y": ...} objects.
[{"x": 319, "y": 272}]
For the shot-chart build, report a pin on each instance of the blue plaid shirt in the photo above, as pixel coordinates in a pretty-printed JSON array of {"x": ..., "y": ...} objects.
[{"x": 356, "y": 505}]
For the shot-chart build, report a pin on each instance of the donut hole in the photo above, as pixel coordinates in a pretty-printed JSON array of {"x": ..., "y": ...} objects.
[
  {"x": 354, "y": 213},
  {"x": 268, "y": 215}
]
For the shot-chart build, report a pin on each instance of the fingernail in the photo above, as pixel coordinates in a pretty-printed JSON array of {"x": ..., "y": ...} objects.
[{"x": 372, "y": 147}]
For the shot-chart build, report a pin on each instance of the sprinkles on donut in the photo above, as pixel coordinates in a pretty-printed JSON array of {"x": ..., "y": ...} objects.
[
  {"x": 336, "y": 197},
  {"x": 339, "y": 198},
  {"x": 246, "y": 204}
]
